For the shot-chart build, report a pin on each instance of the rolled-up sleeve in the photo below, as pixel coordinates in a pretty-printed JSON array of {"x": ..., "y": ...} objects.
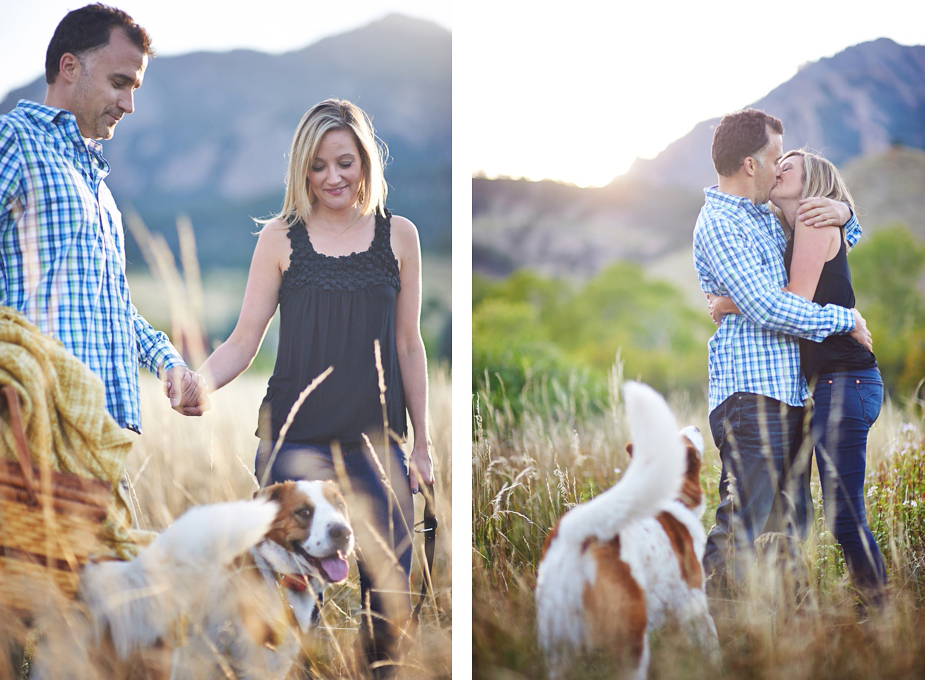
[{"x": 740, "y": 268}]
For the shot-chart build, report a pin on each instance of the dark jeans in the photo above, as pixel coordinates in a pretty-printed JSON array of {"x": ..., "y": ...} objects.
[
  {"x": 764, "y": 484},
  {"x": 382, "y": 516},
  {"x": 845, "y": 407}
]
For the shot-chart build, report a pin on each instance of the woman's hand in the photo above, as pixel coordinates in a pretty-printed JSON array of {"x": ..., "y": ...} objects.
[
  {"x": 719, "y": 306},
  {"x": 421, "y": 466}
]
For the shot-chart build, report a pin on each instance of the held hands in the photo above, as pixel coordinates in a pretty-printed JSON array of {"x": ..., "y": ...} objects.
[
  {"x": 861, "y": 333},
  {"x": 421, "y": 466},
  {"x": 186, "y": 391},
  {"x": 823, "y": 212}
]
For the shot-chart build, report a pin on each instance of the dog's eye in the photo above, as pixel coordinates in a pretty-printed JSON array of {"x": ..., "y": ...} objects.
[{"x": 304, "y": 513}]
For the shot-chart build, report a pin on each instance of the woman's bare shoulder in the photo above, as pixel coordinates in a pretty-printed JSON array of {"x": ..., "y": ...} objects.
[
  {"x": 275, "y": 225},
  {"x": 403, "y": 228},
  {"x": 276, "y": 231}
]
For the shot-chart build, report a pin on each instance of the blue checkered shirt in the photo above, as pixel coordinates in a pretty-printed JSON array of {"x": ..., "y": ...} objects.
[
  {"x": 62, "y": 257},
  {"x": 739, "y": 252}
]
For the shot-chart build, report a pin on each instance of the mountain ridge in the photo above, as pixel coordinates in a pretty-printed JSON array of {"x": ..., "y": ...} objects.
[
  {"x": 648, "y": 214},
  {"x": 807, "y": 104},
  {"x": 211, "y": 131}
]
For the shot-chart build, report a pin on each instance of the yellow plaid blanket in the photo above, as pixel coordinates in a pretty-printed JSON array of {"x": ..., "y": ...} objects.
[{"x": 66, "y": 422}]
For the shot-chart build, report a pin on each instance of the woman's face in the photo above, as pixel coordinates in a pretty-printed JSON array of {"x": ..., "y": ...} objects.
[
  {"x": 336, "y": 172},
  {"x": 790, "y": 182}
]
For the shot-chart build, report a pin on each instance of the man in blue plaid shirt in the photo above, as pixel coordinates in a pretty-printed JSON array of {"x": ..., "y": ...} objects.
[
  {"x": 62, "y": 261},
  {"x": 757, "y": 389}
]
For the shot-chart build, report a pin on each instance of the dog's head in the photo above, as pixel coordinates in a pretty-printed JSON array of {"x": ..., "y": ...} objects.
[
  {"x": 691, "y": 494},
  {"x": 311, "y": 534}
]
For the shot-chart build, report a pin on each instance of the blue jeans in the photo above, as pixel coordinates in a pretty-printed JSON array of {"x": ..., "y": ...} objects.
[
  {"x": 382, "y": 516},
  {"x": 845, "y": 407},
  {"x": 764, "y": 484}
]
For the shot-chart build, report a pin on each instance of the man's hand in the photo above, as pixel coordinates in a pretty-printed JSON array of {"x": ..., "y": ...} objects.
[
  {"x": 186, "y": 391},
  {"x": 861, "y": 332},
  {"x": 823, "y": 212}
]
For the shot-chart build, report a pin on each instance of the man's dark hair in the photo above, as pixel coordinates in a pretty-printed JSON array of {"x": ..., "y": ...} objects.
[
  {"x": 740, "y": 135},
  {"x": 88, "y": 28}
]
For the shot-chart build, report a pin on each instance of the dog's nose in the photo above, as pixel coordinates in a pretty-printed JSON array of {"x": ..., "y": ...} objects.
[{"x": 339, "y": 533}]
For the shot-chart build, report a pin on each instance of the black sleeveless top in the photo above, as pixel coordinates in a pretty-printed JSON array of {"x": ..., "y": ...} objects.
[
  {"x": 332, "y": 310},
  {"x": 837, "y": 352}
]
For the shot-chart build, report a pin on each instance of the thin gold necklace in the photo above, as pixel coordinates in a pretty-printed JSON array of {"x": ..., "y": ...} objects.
[{"x": 350, "y": 226}]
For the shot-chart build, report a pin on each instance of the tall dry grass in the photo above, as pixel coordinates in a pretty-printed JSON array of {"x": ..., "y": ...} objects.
[
  {"x": 179, "y": 462},
  {"x": 530, "y": 467}
]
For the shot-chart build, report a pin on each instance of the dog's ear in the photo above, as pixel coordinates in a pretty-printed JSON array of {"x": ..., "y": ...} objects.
[
  {"x": 693, "y": 460},
  {"x": 272, "y": 492},
  {"x": 629, "y": 449}
]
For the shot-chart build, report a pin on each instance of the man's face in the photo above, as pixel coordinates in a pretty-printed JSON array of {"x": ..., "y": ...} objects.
[
  {"x": 768, "y": 160},
  {"x": 789, "y": 184},
  {"x": 105, "y": 88}
]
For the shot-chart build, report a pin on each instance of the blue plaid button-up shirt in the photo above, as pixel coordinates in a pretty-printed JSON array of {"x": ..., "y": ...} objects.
[
  {"x": 62, "y": 257},
  {"x": 739, "y": 252}
]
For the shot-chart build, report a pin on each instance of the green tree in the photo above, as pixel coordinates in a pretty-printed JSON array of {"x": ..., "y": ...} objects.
[
  {"x": 534, "y": 332},
  {"x": 661, "y": 339},
  {"x": 888, "y": 273}
]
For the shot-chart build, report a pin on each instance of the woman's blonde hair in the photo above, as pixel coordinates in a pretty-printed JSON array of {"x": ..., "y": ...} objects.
[
  {"x": 820, "y": 178},
  {"x": 333, "y": 114}
]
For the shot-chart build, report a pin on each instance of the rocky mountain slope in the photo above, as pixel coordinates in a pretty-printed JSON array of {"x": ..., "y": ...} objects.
[
  {"x": 863, "y": 108},
  {"x": 864, "y": 99},
  {"x": 211, "y": 132}
]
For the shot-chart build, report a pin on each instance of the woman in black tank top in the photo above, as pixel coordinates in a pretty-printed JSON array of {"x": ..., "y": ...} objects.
[
  {"x": 843, "y": 376},
  {"x": 346, "y": 277}
]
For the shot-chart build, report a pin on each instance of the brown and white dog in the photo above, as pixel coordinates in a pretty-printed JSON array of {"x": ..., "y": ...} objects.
[
  {"x": 227, "y": 590},
  {"x": 625, "y": 563}
]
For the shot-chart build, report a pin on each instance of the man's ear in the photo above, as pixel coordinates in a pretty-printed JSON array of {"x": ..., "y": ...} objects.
[
  {"x": 750, "y": 165},
  {"x": 69, "y": 67}
]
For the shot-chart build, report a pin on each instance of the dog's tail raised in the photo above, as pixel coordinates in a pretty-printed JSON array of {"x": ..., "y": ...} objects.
[
  {"x": 142, "y": 600},
  {"x": 652, "y": 480},
  {"x": 211, "y": 535}
]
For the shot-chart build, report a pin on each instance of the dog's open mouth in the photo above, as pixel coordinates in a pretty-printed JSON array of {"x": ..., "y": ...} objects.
[{"x": 333, "y": 567}]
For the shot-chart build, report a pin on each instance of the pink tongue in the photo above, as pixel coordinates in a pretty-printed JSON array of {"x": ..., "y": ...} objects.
[{"x": 335, "y": 567}]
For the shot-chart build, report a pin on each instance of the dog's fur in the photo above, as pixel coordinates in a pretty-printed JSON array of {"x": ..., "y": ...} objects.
[
  {"x": 228, "y": 587},
  {"x": 622, "y": 565}
]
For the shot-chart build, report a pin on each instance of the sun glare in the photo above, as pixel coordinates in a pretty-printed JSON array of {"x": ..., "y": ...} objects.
[{"x": 610, "y": 159}]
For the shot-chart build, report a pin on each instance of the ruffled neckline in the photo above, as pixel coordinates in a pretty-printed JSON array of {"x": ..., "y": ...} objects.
[{"x": 310, "y": 269}]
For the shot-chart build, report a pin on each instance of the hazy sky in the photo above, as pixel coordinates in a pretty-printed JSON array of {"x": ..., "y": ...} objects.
[
  {"x": 573, "y": 92},
  {"x": 579, "y": 90},
  {"x": 181, "y": 26}
]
